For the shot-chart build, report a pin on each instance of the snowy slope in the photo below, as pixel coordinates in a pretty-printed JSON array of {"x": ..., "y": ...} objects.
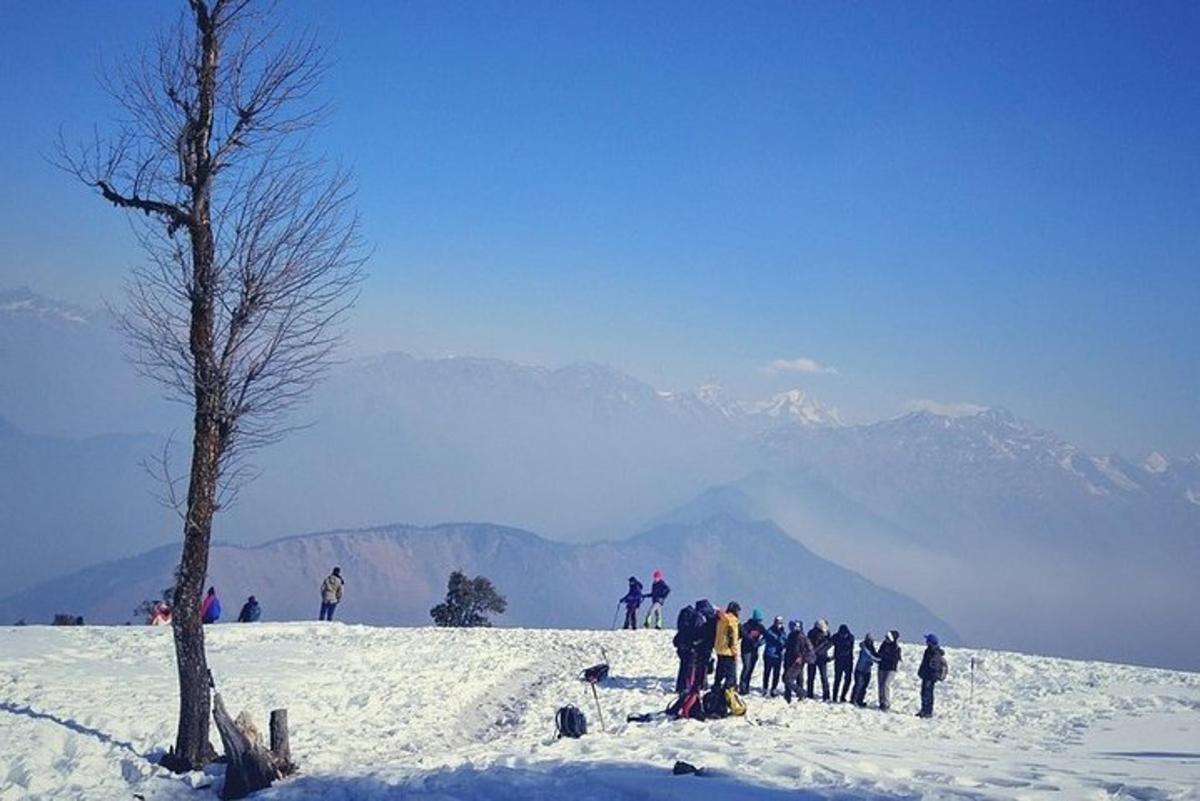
[{"x": 438, "y": 714}]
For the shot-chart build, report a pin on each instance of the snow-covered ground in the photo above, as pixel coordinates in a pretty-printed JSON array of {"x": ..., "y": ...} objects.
[{"x": 468, "y": 714}]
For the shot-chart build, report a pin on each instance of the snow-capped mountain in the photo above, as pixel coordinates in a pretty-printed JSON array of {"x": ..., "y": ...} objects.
[
  {"x": 24, "y": 302},
  {"x": 796, "y": 406}
]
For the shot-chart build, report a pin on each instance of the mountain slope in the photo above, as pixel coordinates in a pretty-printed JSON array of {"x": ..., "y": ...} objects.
[{"x": 395, "y": 574}]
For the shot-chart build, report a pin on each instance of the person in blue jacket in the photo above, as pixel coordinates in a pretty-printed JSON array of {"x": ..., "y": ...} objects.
[
  {"x": 251, "y": 611},
  {"x": 868, "y": 655},
  {"x": 210, "y": 607},
  {"x": 774, "y": 644},
  {"x": 632, "y": 600}
]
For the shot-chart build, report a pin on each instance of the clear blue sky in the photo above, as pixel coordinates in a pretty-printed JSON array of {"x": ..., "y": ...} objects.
[{"x": 971, "y": 202}]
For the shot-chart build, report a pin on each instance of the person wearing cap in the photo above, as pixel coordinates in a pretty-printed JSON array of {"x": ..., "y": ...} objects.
[
  {"x": 889, "y": 663},
  {"x": 632, "y": 600},
  {"x": 752, "y": 639},
  {"x": 933, "y": 669},
  {"x": 727, "y": 646},
  {"x": 331, "y": 593},
  {"x": 774, "y": 645},
  {"x": 658, "y": 596},
  {"x": 818, "y": 635}
]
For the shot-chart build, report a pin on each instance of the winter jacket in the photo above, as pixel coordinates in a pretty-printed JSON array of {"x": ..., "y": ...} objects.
[
  {"x": 633, "y": 598},
  {"x": 687, "y": 628},
  {"x": 867, "y": 656},
  {"x": 659, "y": 591},
  {"x": 251, "y": 612},
  {"x": 889, "y": 654},
  {"x": 843, "y": 646},
  {"x": 821, "y": 644},
  {"x": 800, "y": 648},
  {"x": 210, "y": 609},
  {"x": 774, "y": 641},
  {"x": 752, "y": 635},
  {"x": 729, "y": 638},
  {"x": 331, "y": 589},
  {"x": 706, "y": 639},
  {"x": 932, "y": 663}
]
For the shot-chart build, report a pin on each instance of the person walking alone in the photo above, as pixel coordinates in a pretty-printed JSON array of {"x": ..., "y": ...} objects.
[
  {"x": 658, "y": 596},
  {"x": 933, "y": 669},
  {"x": 331, "y": 593}
]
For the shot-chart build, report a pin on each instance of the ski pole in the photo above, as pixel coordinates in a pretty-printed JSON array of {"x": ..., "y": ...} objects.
[
  {"x": 599, "y": 712},
  {"x": 616, "y": 612}
]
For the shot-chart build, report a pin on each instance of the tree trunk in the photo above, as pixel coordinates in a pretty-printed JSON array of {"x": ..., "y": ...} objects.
[
  {"x": 249, "y": 767},
  {"x": 281, "y": 747}
]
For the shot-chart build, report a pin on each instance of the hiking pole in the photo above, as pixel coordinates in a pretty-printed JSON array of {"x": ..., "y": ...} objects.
[
  {"x": 599, "y": 712},
  {"x": 616, "y": 612},
  {"x": 971, "y": 705}
]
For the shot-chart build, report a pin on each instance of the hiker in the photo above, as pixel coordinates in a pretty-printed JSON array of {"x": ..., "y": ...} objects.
[
  {"x": 818, "y": 635},
  {"x": 331, "y": 593},
  {"x": 889, "y": 662},
  {"x": 210, "y": 607},
  {"x": 658, "y": 596},
  {"x": 933, "y": 669},
  {"x": 843, "y": 662},
  {"x": 251, "y": 611},
  {"x": 752, "y": 639},
  {"x": 798, "y": 655},
  {"x": 160, "y": 615},
  {"x": 727, "y": 646},
  {"x": 632, "y": 600},
  {"x": 706, "y": 642},
  {"x": 689, "y": 627},
  {"x": 774, "y": 643},
  {"x": 867, "y": 657}
]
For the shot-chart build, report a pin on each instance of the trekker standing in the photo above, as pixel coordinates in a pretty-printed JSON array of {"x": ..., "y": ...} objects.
[
  {"x": 331, "y": 593},
  {"x": 210, "y": 607},
  {"x": 706, "y": 641},
  {"x": 933, "y": 669},
  {"x": 774, "y": 644},
  {"x": 658, "y": 596},
  {"x": 800, "y": 653},
  {"x": 843, "y": 662},
  {"x": 688, "y": 628},
  {"x": 728, "y": 645},
  {"x": 818, "y": 635},
  {"x": 867, "y": 657},
  {"x": 752, "y": 639},
  {"x": 889, "y": 663},
  {"x": 632, "y": 600},
  {"x": 251, "y": 611}
]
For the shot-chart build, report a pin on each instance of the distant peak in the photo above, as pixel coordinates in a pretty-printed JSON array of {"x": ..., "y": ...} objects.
[
  {"x": 950, "y": 409},
  {"x": 24, "y": 301},
  {"x": 1156, "y": 463},
  {"x": 798, "y": 406}
]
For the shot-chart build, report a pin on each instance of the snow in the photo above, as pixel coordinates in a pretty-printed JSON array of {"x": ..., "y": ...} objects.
[
  {"x": 468, "y": 714},
  {"x": 1156, "y": 463}
]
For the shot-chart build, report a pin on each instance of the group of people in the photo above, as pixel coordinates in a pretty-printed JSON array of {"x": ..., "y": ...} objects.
[
  {"x": 793, "y": 656},
  {"x": 659, "y": 590},
  {"x": 210, "y": 607}
]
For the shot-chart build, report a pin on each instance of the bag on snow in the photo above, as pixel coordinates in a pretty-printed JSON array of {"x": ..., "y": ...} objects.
[
  {"x": 714, "y": 704},
  {"x": 686, "y": 706},
  {"x": 734, "y": 703},
  {"x": 570, "y": 722},
  {"x": 595, "y": 674}
]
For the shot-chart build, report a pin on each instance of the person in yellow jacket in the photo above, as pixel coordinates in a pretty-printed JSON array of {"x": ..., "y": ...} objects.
[{"x": 728, "y": 645}]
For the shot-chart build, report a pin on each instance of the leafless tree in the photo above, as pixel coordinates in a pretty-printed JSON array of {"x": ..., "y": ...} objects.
[{"x": 253, "y": 259}]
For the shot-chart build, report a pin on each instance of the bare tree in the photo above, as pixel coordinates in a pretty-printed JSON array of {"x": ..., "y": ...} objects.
[{"x": 253, "y": 259}]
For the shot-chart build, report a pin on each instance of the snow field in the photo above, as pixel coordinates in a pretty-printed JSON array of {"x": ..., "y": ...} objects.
[{"x": 468, "y": 714}]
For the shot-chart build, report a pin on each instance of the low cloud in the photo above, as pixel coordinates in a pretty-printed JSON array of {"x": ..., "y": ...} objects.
[
  {"x": 798, "y": 365},
  {"x": 952, "y": 409}
]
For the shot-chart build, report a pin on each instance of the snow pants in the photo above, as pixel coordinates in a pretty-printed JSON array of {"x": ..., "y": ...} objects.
[
  {"x": 630, "y": 617},
  {"x": 726, "y": 672},
  {"x": 841, "y": 680},
  {"x": 858, "y": 696},
  {"x": 885, "y": 689},
  {"x": 749, "y": 662},
  {"x": 927, "y": 697},
  {"x": 655, "y": 615},
  {"x": 823, "y": 669},
  {"x": 772, "y": 666},
  {"x": 327, "y": 610}
]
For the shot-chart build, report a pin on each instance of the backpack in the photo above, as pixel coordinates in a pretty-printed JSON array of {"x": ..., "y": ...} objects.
[
  {"x": 595, "y": 674},
  {"x": 686, "y": 624},
  {"x": 687, "y": 706},
  {"x": 734, "y": 703},
  {"x": 570, "y": 722},
  {"x": 714, "y": 704},
  {"x": 941, "y": 668}
]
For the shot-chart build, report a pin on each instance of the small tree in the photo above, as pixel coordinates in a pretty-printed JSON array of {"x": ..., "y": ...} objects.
[{"x": 467, "y": 601}]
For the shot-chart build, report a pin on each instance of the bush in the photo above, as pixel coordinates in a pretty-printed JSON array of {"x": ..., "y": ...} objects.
[{"x": 467, "y": 601}]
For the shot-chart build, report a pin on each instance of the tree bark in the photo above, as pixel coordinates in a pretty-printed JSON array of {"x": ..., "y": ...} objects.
[
  {"x": 249, "y": 767},
  {"x": 281, "y": 748}
]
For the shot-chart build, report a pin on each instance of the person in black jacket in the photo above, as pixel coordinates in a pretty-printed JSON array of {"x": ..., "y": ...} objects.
[
  {"x": 632, "y": 600},
  {"x": 818, "y": 635},
  {"x": 752, "y": 639},
  {"x": 251, "y": 611},
  {"x": 889, "y": 663},
  {"x": 798, "y": 655},
  {"x": 933, "y": 669},
  {"x": 658, "y": 596},
  {"x": 843, "y": 662},
  {"x": 705, "y": 642}
]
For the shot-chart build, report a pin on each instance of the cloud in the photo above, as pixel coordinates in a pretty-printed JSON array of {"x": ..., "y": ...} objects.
[
  {"x": 798, "y": 365},
  {"x": 952, "y": 409}
]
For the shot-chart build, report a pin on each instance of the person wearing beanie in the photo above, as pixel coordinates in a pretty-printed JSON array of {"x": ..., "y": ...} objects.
[
  {"x": 798, "y": 655},
  {"x": 843, "y": 662},
  {"x": 818, "y": 635},
  {"x": 889, "y": 663},
  {"x": 658, "y": 596},
  {"x": 331, "y": 593},
  {"x": 752, "y": 639},
  {"x": 728, "y": 646},
  {"x": 251, "y": 611},
  {"x": 933, "y": 669},
  {"x": 867, "y": 657},
  {"x": 632, "y": 600},
  {"x": 774, "y": 645}
]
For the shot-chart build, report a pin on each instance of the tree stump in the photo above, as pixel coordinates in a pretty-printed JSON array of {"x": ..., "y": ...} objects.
[{"x": 249, "y": 765}]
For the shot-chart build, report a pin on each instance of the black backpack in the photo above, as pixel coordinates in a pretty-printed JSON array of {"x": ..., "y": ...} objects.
[
  {"x": 714, "y": 704},
  {"x": 570, "y": 722},
  {"x": 686, "y": 624}
]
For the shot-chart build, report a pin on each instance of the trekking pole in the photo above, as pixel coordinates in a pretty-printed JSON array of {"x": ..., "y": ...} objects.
[
  {"x": 616, "y": 612},
  {"x": 971, "y": 705},
  {"x": 599, "y": 712}
]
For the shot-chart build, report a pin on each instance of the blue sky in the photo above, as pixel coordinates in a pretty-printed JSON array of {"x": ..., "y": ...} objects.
[{"x": 988, "y": 203}]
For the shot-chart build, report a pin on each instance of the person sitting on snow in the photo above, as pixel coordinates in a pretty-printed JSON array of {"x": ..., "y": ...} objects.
[
  {"x": 658, "y": 596},
  {"x": 210, "y": 607},
  {"x": 251, "y": 611}
]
